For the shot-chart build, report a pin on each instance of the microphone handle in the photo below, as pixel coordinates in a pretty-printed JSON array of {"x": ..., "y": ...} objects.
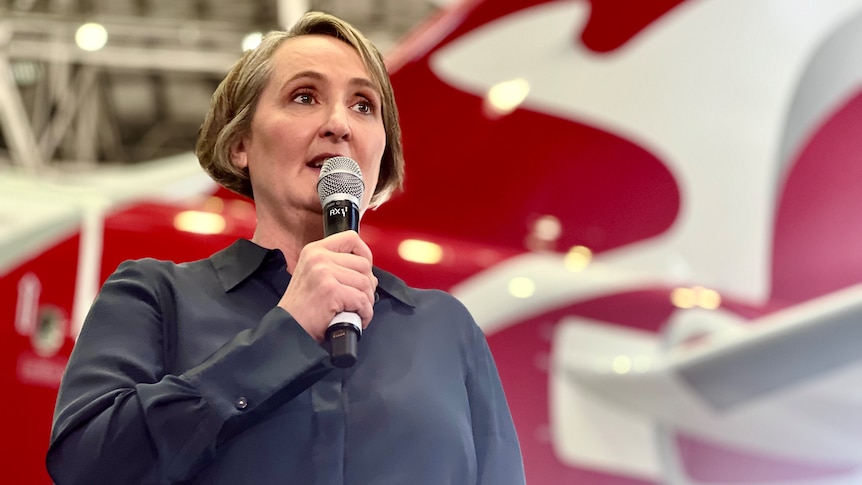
[
  {"x": 340, "y": 215},
  {"x": 343, "y": 336},
  {"x": 345, "y": 329}
]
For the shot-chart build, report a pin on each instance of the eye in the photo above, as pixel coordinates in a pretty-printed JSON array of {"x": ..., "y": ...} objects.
[
  {"x": 364, "y": 106},
  {"x": 304, "y": 98}
]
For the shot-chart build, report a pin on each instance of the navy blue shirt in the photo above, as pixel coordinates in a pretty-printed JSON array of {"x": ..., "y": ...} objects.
[{"x": 191, "y": 373}]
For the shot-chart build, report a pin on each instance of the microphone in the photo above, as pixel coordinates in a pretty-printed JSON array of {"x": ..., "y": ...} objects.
[{"x": 340, "y": 188}]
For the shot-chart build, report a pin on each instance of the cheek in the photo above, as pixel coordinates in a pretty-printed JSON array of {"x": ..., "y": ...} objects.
[
  {"x": 371, "y": 173},
  {"x": 374, "y": 151},
  {"x": 370, "y": 184}
]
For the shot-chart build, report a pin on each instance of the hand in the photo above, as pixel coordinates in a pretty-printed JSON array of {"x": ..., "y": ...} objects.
[{"x": 332, "y": 275}]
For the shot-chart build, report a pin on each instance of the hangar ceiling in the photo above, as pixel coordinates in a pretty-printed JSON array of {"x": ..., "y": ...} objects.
[{"x": 144, "y": 94}]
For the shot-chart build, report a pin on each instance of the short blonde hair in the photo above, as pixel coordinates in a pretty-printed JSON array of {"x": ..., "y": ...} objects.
[{"x": 233, "y": 106}]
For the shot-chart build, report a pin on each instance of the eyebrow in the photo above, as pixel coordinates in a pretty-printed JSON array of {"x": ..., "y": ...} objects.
[{"x": 357, "y": 81}]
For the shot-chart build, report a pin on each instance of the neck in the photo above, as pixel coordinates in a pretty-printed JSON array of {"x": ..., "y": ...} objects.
[{"x": 288, "y": 233}]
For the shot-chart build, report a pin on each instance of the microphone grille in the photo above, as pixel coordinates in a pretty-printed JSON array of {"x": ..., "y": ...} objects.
[{"x": 340, "y": 175}]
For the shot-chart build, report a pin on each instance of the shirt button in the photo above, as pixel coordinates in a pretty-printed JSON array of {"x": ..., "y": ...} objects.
[{"x": 241, "y": 403}]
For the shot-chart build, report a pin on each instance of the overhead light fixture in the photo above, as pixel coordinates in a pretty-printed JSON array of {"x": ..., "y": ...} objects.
[
  {"x": 91, "y": 36},
  {"x": 521, "y": 287},
  {"x": 251, "y": 41},
  {"x": 696, "y": 296},
  {"x": 544, "y": 233},
  {"x": 577, "y": 258},
  {"x": 418, "y": 251},
  {"x": 199, "y": 222},
  {"x": 26, "y": 73},
  {"x": 506, "y": 96}
]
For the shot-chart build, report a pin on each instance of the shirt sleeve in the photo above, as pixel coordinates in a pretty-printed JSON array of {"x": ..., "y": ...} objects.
[
  {"x": 498, "y": 452},
  {"x": 120, "y": 418}
]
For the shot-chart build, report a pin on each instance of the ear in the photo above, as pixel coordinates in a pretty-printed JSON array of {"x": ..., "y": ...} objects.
[{"x": 238, "y": 154}]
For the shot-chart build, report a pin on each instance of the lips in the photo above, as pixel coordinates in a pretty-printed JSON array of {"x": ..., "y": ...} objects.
[{"x": 317, "y": 161}]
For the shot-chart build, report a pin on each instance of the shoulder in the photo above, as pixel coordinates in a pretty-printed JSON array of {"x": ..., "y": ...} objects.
[
  {"x": 158, "y": 269},
  {"x": 439, "y": 300},
  {"x": 157, "y": 277},
  {"x": 433, "y": 307},
  {"x": 418, "y": 298}
]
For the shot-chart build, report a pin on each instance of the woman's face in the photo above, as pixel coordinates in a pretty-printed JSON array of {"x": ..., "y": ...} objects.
[{"x": 319, "y": 102}]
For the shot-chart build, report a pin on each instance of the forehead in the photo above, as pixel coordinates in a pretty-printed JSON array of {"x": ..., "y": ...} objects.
[{"x": 317, "y": 51}]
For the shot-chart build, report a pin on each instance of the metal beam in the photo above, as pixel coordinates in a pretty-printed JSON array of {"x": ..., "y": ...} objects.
[
  {"x": 13, "y": 115},
  {"x": 162, "y": 59},
  {"x": 289, "y": 11}
]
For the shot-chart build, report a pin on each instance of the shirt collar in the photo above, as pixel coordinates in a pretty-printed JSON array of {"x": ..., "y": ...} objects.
[
  {"x": 393, "y": 286},
  {"x": 240, "y": 260},
  {"x": 237, "y": 262}
]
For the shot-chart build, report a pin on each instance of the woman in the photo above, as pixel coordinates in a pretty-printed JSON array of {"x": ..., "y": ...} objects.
[{"x": 213, "y": 371}]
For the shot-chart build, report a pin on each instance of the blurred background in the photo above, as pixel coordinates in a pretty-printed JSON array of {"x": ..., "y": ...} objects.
[
  {"x": 141, "y": 95},
  {"x": 649, "y": 206}
]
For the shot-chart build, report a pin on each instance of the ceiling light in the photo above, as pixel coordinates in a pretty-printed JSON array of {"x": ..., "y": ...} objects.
[
  {"x": 505, "y": 97},
  {"x": 547, "y": 228},
  {"x": 696, "y": 296},
  {"x": 522, "y": 287},
  {"x": 251, "y": 41},
  {"x": 418, "y": 251},
  {"x": 199, "y": 222},
  {"x": 91, "y": 37},
  {"x": 577, "y": 258}
]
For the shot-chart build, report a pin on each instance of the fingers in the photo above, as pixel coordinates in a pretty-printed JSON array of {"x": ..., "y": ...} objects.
[
  {"x": 346, "y": 258},
  {"x": 331, "y": 275},
  {"x": 346, "y": 274},
  {"x": 349, "y": 251},
  {"x": 347, "y": 242}
]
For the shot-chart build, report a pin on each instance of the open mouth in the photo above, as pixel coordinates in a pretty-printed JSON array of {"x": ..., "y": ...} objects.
[{"x": 317, "y": 161}]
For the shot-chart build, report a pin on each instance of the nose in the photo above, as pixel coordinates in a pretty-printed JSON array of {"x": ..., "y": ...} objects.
[{"x": 337, "y": 124}]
